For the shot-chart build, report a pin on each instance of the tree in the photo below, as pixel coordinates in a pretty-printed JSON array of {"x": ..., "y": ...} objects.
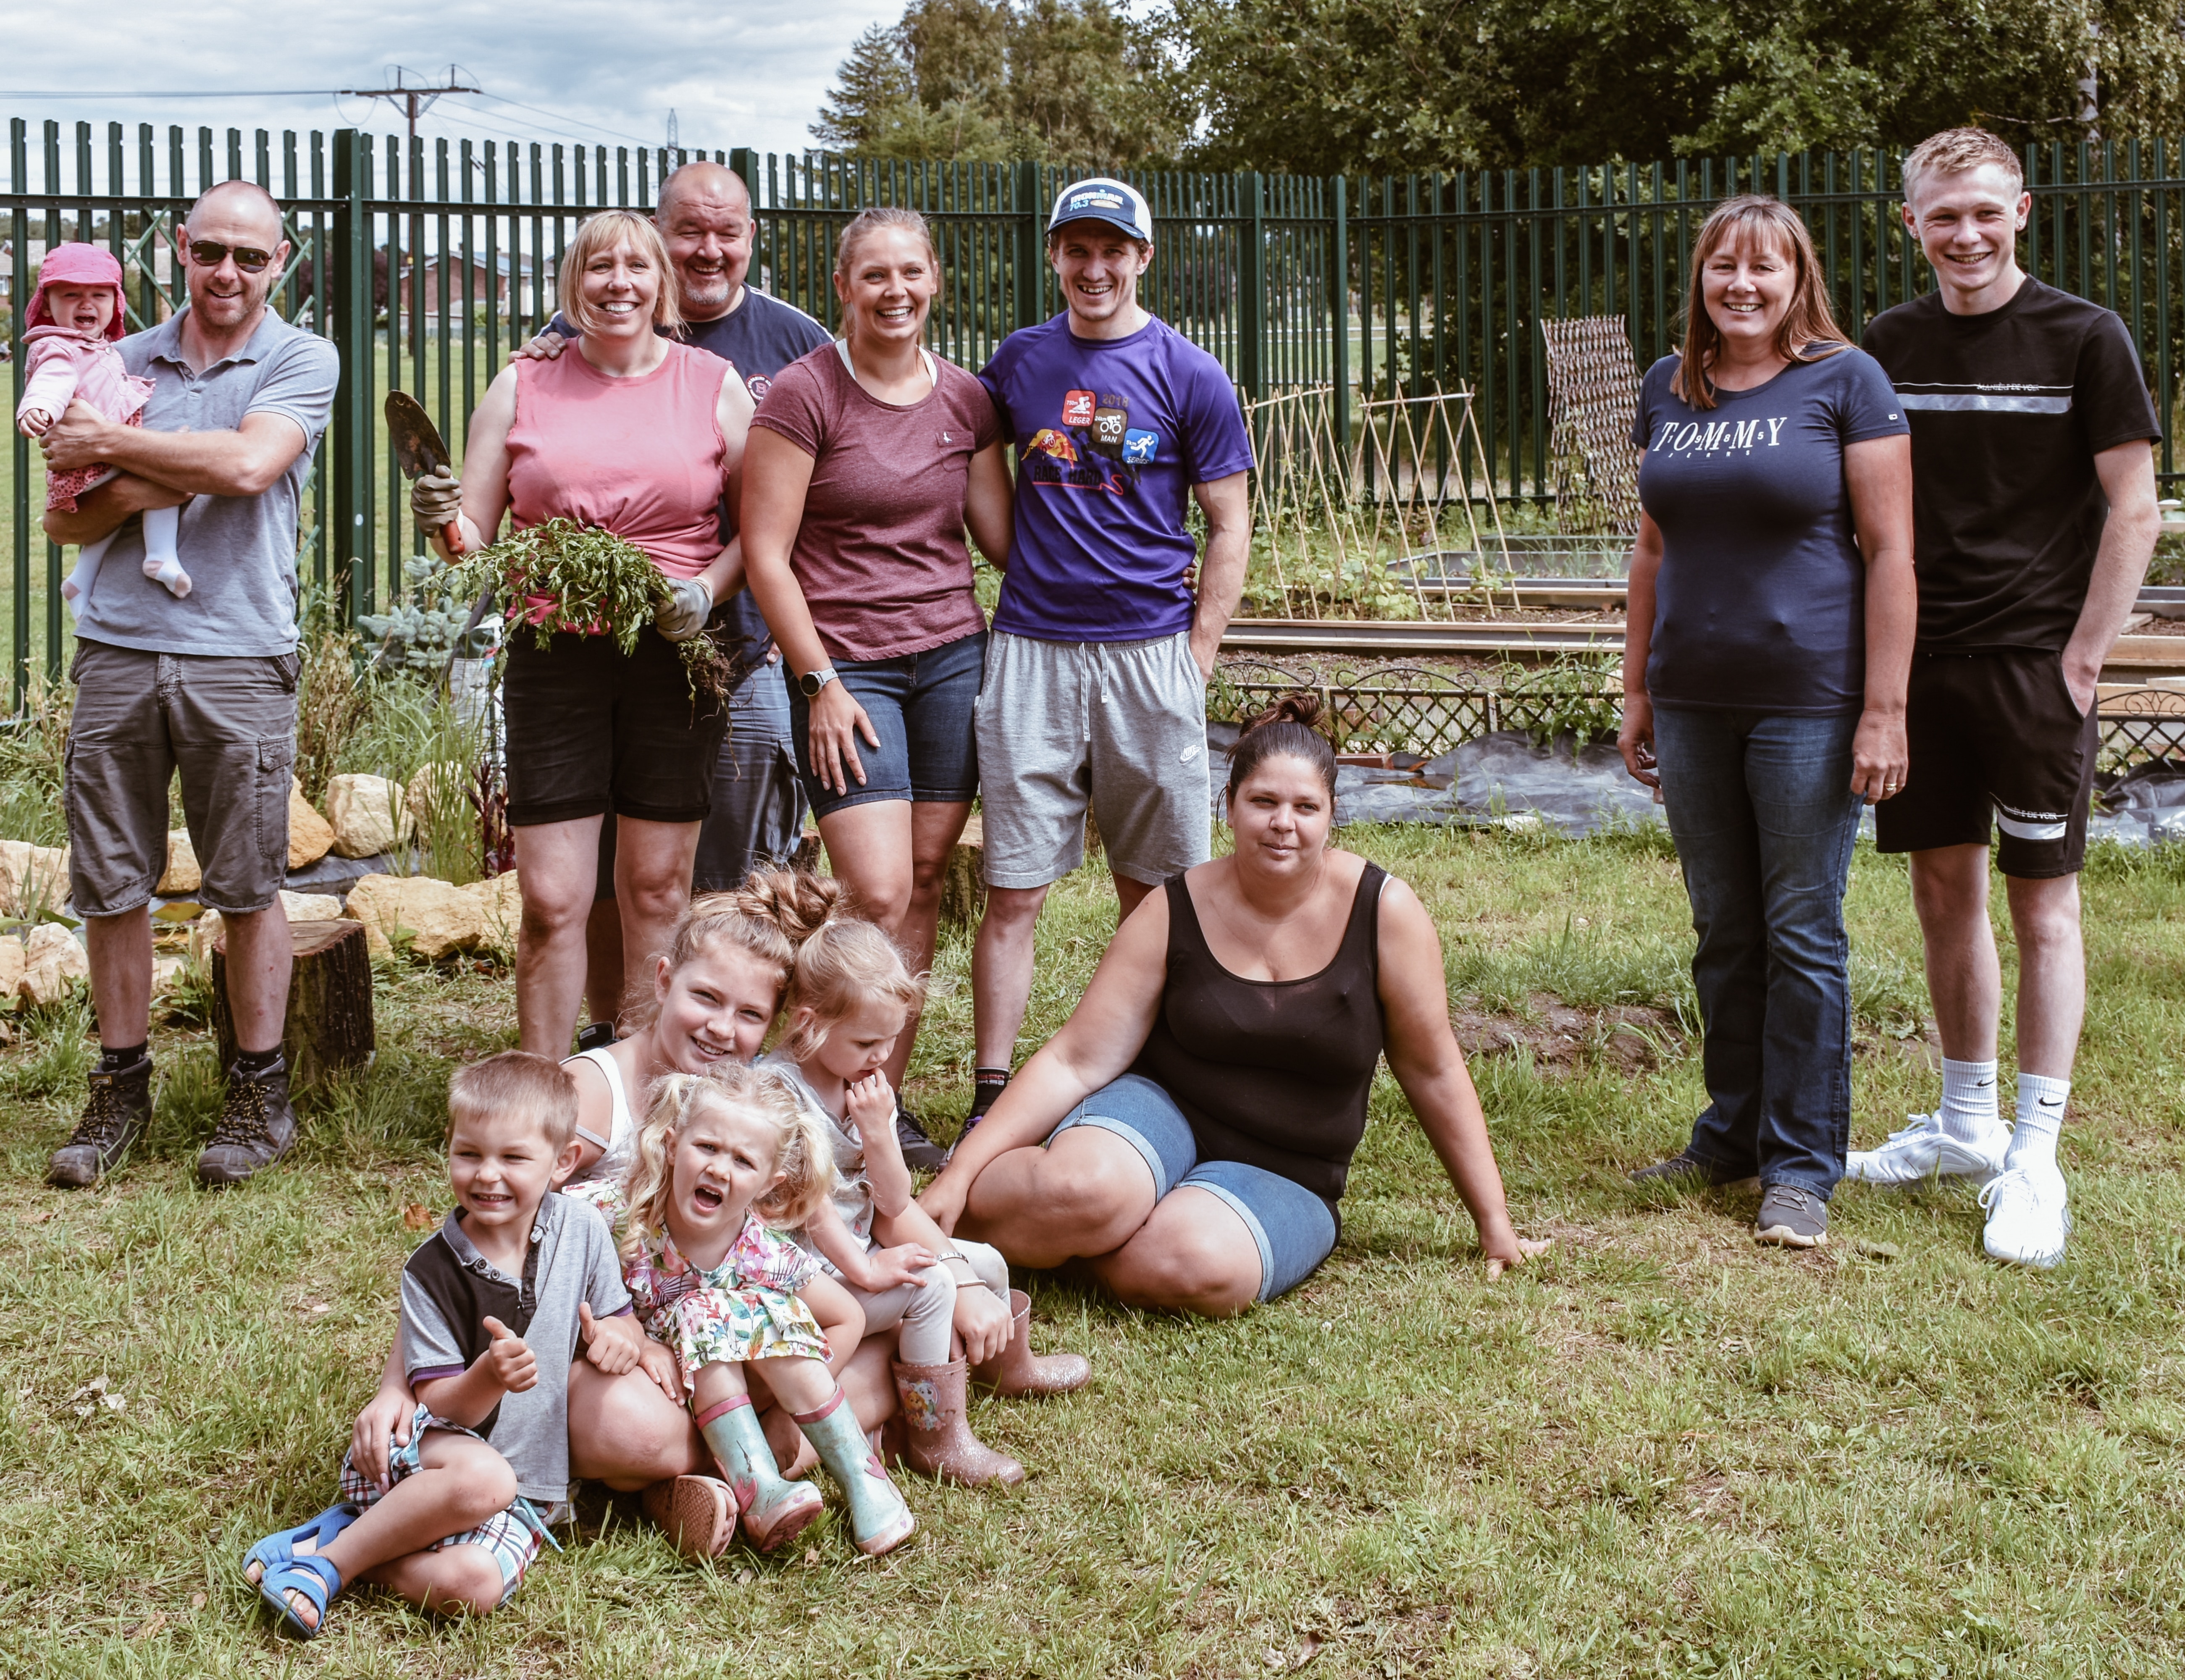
[
  {"x": 1401, "y": 85},
  {"x": 1067, "y": 81}
]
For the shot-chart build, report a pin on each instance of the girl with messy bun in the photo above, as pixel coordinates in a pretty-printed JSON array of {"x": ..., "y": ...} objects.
[{"x": 1189, "y": 1131}]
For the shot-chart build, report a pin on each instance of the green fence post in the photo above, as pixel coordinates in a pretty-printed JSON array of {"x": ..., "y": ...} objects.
[
  {"x": 745, "y": 162},
  {"x": 1031, "y": 250},
  {"x": 348, "y": 317},
  {"x": 1252, "y": 286},
  {"x": 1338, "y": 298}
]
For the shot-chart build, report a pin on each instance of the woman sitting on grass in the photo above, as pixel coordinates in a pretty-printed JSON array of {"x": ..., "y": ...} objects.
[
  {"x": 1190, "y": 1128},
  {"x": 715, "y": 994}
]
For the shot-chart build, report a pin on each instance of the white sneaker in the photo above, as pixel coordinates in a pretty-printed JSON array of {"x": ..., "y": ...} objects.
[
  {"x": 1923, "y": 1150},
  {"x": 2027, "y": 1219}
]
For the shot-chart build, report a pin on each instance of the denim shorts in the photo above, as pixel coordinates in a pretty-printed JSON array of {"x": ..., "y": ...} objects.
[
  {"x": 1294, "y": 1228},
  {"x": 921, "y": 707}
]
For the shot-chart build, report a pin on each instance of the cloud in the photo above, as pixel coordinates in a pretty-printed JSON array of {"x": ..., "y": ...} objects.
[{"x": 736, "y": 74}]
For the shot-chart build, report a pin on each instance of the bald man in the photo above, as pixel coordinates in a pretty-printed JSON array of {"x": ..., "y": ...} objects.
[
  {"x": 705, "y": 216},
  {"x": 206, "y": 684}
]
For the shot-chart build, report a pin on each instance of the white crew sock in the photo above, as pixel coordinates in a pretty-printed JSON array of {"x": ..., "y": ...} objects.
[
  {"x": 2040, "y": 1117},
  {"x": 162, "y": 525},
  {"x": 1969, "y": 1106}
]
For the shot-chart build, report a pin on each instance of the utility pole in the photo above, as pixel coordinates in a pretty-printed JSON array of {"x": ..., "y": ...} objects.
[
  {"x": 674, "y": 131},
  {"x": 416, "y": 97}
]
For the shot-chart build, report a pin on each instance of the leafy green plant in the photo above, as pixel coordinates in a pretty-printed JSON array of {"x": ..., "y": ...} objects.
[
  {"x": 32, "y": 753},
  {"x": 423, "y": 741},
  {"x": 1576, "y": 696},
  {"x": 591, "y": 578},
  {"x": 420, "y": 632}
]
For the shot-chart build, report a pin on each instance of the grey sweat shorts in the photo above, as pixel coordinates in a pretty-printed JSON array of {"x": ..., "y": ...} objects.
[
  {"x": 229, "y": 727},
  {"x": 1121, "y": 726}
]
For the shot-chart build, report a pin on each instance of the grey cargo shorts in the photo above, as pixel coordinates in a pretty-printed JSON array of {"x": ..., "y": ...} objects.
[{"x": 228, "y": 725}]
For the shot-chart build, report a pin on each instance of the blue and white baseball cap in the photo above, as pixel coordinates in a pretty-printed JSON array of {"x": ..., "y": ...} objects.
[{"x": 1101, "y": 199}]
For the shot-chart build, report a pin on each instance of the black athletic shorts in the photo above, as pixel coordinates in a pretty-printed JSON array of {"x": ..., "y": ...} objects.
[
  {"x": 587, "y": 727},
  {"x": 1995, "y": 736}
]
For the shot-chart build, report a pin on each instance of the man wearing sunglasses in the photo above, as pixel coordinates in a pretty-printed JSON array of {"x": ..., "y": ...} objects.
[{"x": 206, "y": 684}]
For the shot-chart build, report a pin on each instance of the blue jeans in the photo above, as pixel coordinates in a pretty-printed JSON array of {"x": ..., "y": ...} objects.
[{"x": 1764, "y": 817}]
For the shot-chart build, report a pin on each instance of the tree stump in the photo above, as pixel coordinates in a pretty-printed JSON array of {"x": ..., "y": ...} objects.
[
  {"x": 964, "y": 887},
  {"x": 809, "y": 852},
  {"x": 329, "y": 1021}
]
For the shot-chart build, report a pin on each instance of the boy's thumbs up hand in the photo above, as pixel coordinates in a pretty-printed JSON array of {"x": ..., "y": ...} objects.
[
  {"x": 512, "y": 1363},
  {"x": 612, "y": 1347}
]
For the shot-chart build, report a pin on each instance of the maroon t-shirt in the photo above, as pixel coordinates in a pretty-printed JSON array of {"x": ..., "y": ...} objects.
[{"x": 880, "y": 554}]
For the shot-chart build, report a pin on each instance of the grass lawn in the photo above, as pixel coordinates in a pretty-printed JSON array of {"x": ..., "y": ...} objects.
[{"x": 1659, "y": 1451}]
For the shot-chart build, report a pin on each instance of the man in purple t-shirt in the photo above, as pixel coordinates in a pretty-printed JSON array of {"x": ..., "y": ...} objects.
[{"x": 1095, "y": 686}]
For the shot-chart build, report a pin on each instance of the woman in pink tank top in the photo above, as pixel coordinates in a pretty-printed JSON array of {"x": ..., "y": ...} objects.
[{"x": 638, "y": 435}]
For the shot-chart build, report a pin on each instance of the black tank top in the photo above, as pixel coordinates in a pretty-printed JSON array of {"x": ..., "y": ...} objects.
[{"x": 1272, "y": 1072}]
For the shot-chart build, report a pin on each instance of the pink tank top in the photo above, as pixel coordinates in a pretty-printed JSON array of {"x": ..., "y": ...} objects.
[{"x": 639, "y": 457}]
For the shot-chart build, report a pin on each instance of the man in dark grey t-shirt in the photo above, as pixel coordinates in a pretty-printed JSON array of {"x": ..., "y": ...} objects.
[{"x": 204, "y": 685}]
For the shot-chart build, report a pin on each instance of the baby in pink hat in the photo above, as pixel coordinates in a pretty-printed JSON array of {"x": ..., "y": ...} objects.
[{"x": 74, "y": 318}]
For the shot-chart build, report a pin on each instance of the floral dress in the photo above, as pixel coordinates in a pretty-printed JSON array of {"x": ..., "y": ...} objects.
[{"x": 744, "y": 1308}]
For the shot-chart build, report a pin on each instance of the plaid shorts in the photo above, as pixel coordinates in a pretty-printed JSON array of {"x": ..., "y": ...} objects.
[{"x": 511, "y": 1536}]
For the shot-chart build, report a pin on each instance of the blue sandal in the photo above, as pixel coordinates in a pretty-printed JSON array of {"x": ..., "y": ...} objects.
[
  {"x": 313, "y": 1577},
  {"x": 280, "y": 1547}
]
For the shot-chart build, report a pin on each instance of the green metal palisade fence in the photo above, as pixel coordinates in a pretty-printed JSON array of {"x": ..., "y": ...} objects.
[{"x": 429, "y": 262}]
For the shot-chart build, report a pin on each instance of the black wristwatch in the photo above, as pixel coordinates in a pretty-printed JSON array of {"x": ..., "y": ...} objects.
[{"x": 813, "y": 681}]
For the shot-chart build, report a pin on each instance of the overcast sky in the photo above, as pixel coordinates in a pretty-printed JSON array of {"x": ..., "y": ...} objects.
[{"x": 735, "y": 72}]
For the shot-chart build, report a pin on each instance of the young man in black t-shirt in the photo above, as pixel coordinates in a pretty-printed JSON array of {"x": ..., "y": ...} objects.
[{"x": 2034, "y": 509}]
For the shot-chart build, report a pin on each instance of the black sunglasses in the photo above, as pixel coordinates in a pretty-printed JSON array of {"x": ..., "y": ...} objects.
[{"x": 211, "y": 253}]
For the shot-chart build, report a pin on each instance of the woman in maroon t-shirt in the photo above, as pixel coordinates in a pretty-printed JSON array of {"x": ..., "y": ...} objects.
[{"x": 867, "y": 460}]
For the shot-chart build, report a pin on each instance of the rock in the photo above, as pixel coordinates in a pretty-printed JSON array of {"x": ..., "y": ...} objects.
[
  {"x": 502, "y": 901},
  {"x": 310, "y": 836},
  {"x": 370, "y": 815},
  {"x": 13, "y": 961},
  {"x": 53, "y": 963},
  {"x": 31, "y": 877},
  {"x": 165, "y": 971},
  {"x": 203, "y": 932},
  {"x": 435, "y": 784},
  {"x": 183, "y": 875},
  {"x": 438, "y": 919},
  {"x": 180, "y": 910},
  {"x": 310, "y": 907}
]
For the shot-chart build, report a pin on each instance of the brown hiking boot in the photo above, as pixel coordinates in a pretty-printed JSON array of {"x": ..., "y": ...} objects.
[
  {"x": 256, "y": 1128},
  {"x": 120, "y": 1108}
]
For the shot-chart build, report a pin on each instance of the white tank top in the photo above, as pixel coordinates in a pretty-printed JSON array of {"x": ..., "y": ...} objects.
[{"x": 619, "y": 1147}]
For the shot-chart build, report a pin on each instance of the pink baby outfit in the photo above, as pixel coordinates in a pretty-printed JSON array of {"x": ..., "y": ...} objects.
[{"x": 64, "y": 364}]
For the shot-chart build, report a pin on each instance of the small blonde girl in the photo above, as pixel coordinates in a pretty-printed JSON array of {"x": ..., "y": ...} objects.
[
  {"x": 851, "y": 996},
  {"x": 721, "y": 1155}
]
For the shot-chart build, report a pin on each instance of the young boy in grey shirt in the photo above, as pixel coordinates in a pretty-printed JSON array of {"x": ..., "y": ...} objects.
[{"x": 495, "y": 1306}]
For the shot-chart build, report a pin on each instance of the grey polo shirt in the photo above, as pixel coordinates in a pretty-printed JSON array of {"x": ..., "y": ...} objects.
[
  {"x": 447, "y": 1291},
  {"x": 240, "y": 551}
]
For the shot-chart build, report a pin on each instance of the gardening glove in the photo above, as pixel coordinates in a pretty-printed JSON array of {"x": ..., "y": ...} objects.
[
  {"x": 437, "y": 498},
  {"x": 684, "y": 615}
]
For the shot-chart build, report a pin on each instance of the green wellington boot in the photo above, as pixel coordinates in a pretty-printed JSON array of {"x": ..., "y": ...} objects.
[
  {"x": 878, "y": 1516},
  {"x": 775, "y": 1512}
]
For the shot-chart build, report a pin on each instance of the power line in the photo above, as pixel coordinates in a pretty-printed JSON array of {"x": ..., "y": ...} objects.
[{"x": 170, "y": 94}]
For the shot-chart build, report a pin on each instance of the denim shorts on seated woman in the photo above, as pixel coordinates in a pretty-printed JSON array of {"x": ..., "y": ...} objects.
[
  {"x": 920, "y": 706},
  {"x": 1294, "y": 1228}
]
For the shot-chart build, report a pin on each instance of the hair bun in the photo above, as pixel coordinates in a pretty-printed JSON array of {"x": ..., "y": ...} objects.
[
  {"x": 798, "y": 901},
  {"x": 1299, "y": 707}
]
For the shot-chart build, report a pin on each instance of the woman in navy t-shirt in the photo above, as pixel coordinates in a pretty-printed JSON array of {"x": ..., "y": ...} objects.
[{"x": 1772, "y": 611}]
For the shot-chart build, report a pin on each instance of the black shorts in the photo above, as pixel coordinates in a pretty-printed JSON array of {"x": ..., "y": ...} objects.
[
  {"x": 1996, "y": 735},
  {"x": 588, "y": 729}
]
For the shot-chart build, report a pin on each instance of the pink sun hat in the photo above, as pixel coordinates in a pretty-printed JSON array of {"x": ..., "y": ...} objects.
[{"x": 79, "y": 265}]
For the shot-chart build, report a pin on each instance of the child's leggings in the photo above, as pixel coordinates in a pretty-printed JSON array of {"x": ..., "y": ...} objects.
[{"x": 927, "y": 1314}]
